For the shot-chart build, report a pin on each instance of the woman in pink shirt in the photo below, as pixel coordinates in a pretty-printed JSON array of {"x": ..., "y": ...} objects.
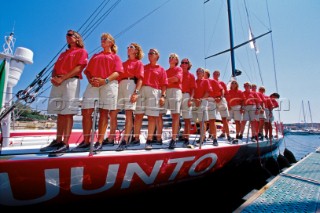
[
  {"x": 152, "y": 97},
  {"x": 270, "y": 104},
  {"x": 251, "y": 107},
  {"x": 235, "y": 100},
  {"x": 174, "y": 98},
  {"x": 188, "y": 87},
  {"x": 64, "y": 96},
  {"x": 200, "y": 102},
  {"x": 129, "y": 87},
  {"x": 102, "y": 73}
]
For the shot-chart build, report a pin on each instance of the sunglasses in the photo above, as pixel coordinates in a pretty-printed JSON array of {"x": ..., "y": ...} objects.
[
  {"x": 131, "y": 47},
  {"x": 233, "y": 83},
  {"x": 152, "y": 53},
  {"x": 172, "y": 57},
  {"x": 104, "y": 39},
  {"x": 184, "y": 62},
  {"x": 71, "y": 34}
]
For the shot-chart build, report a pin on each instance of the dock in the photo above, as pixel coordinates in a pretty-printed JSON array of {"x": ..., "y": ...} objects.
[{"x": 296, "y": 189}]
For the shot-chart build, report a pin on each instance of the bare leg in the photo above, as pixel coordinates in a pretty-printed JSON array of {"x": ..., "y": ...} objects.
[
  {"x": 86, "y": 124},
  {"x": 213, "y": 128},
  {"x": 186, "y": 131},
  {"x": 175, "y": 125},
  {"x": 103, "y": 124},
  {"x": 151, "y": 126},
  {"x": 159, "y": 124},
  {"x": 128, "y": 125},
  {"x": 68, "y": 124},
  {"x": 60, "y": 128},
  {"x": 137, "y": 125},
  {"x": 113, "y": 124}
]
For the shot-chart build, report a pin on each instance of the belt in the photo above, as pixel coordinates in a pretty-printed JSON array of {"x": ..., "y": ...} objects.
[
  {"x": 128, "y": 79},
  {"x": 70, "y": 77},
  {"x": 185, "y": 92}
]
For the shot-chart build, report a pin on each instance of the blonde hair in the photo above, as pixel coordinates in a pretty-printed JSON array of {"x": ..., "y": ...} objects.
[
  {"x": 114, "y": 47},
  {"x": 237, "y": 85},
  {"x": 139, "y": 55},
  {"x": 156, "y": 51},
  {"x": 208, "y": 72},
  {"x": 175, "y": 56}
]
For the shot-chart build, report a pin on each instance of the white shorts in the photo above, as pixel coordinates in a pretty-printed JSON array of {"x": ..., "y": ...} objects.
[
  {"x": 212, "y": 109},
  {"x": 106, "y": 95},
  {"x": 250, "y": 113},
  {"x": 235, "y": 113},
  {"x": 186, "y": 112},
  {"x": 222, "y": 108},
  {"x": 64, "y": 99},
  {"x": 173, "y": 101},
  {"x": 269, "y": 116},
  {"x": 201, "y": 112},
  {"x": 126, "y": 89},
  {"x": 148, "y": 101}
]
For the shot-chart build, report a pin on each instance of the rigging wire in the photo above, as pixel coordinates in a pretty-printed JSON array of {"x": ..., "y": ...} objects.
[
  {"x": 133, "y": 24},
  {"x": 31, "y": 92},
  {"x": 256, "y": 55},
  {"x": 273, "y": 58}
]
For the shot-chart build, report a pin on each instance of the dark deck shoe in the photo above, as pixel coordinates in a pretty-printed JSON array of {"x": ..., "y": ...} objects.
[
  {"x": 148, "y": 145},
  {"x": 122, "y": 146},
  {"x": 82, "y": 147},
  {"x": 185, "y": 143},
  {"x": 61, "y": 148},
  {"x": 51, "y": 147},
  {"x": 97, "y": 146},
  {"x": 172, "y": 144},
  {"x": 222, "y": 135},
  {"x": 135, "y": 142},
  {"x": 215, "y": 142},
  {"x": 107, "y": 142},
  {"x": 157, "y": 142}
]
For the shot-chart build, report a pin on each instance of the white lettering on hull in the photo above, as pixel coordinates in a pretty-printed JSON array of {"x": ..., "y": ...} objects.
[
  {"x": 52, "y": 184},
  {"x": 77, "y": 181},
  {"x": 51, "y": 181}
]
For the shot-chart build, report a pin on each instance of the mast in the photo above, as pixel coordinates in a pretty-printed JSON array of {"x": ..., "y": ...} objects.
[
  {"x": 304, "y": 115},
  {"x": 310, "y": 115},
  {"x": 233, "y": 66}
]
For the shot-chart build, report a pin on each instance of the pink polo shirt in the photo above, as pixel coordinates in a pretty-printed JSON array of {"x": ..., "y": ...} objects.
[
  {"x": 216, "y": 88},
  {"x": 271, "y": 103},
  {"x": 175, "y": 72},
  {"x": 104, "y": 64},
  {"x": 203, "y": 86},
  {"x": 131, "y": 69},
  {"x": 155, "y": 76},
  {"x": 224, "y": 86},
  {"x": 70, "y": 59},
  {"x": 251, "y": 98},
  {"x": 188, "y": 82},
  {"x": 235, "y": 97}
]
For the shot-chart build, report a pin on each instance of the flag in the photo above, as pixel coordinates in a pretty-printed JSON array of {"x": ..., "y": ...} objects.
[
  {"x": 252, "y": 43},
  {"x": 3, "y": 84}
]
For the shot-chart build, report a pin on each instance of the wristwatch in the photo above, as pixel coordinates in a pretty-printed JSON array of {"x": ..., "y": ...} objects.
[
  {"x": 164, "y": 96},
  {"x": 136, "y": 91},
  {"x": 107, "y": 80}
]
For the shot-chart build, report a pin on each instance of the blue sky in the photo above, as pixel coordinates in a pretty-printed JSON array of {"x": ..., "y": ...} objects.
[{"x": 190, "y": 29}]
